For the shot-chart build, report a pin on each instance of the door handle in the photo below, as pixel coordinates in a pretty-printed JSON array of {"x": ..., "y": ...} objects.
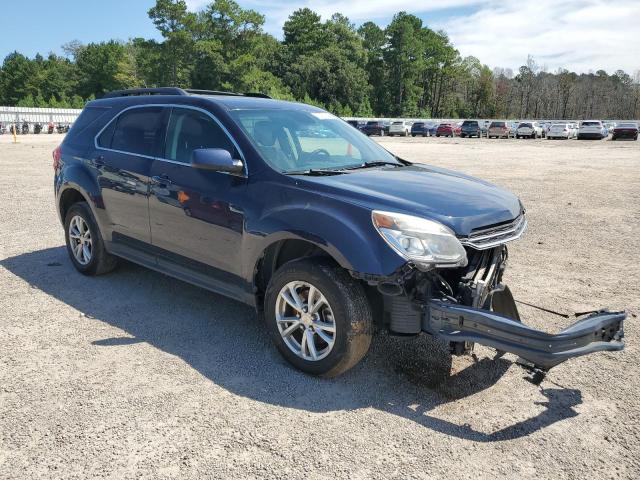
[{"x": 161, "y": 180}]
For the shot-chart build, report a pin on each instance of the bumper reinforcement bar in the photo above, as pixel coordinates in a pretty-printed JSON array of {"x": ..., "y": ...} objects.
[{"x": 601, "y": 331}]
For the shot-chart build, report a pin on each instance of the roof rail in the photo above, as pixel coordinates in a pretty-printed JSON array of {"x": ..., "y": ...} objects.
[
  {"x": 195, "y": 91},
  {"x": 177, "y": 91},
  {"x": 145, "y": 91}
]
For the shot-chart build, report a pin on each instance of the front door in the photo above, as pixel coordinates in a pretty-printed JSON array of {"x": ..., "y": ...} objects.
[{"x": 196, "y": 215}]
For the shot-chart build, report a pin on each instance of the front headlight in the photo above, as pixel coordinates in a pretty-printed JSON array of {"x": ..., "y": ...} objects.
[{"x": 425, "y": 242}]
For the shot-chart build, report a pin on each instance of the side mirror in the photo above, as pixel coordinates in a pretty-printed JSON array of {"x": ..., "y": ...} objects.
[{"x": 215, "y": 159}]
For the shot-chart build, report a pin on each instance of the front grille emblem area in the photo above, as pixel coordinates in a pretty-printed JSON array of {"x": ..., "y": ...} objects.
[{"x": 494, "y": 235}]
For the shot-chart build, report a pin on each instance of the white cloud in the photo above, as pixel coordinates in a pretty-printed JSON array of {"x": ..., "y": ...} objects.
[{"x": 581, "y": 35}]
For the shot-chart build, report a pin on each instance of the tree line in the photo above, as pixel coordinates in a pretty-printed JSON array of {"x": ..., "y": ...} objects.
[{"x": 403, "y": 70}]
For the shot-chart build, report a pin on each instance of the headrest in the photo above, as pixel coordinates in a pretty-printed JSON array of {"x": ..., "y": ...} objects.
[{"x": 264, "y": 133}]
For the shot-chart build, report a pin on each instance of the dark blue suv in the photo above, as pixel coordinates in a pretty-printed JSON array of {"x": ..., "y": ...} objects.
[{"x": 289, "y": 209}]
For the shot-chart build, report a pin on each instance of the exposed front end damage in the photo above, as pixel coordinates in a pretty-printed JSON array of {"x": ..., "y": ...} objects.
[{"x": 471, "y": 305}]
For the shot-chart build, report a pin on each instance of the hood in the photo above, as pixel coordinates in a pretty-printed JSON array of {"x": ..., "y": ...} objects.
[{"x": 458, "y": 201}]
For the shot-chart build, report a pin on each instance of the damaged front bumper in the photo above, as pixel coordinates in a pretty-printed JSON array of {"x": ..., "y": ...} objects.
[
  {"x": 472, "y": 305},
  {"x": 601, "y": 331}
]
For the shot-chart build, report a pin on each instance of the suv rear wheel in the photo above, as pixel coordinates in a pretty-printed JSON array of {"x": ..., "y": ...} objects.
[
  {"x": 318, "y": 317},
  {"x": 84, "y": 242}
]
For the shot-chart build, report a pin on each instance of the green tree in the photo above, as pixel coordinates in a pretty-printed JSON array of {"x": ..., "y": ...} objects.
[{"x": 99, "y": 68}]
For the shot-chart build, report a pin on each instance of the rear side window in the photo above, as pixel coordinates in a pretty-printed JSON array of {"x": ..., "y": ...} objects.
[
  {"x": 104, "y": 140},
  {"x": 189, "y": 130},
  {"x": 138, "y": 131},
  {"x": 88, "y": 116}
]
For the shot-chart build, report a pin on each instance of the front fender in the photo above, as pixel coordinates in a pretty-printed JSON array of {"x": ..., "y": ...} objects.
[{"x": 344, "y": 231}]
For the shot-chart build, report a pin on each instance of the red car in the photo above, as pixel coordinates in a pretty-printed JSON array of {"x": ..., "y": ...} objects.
[
  {"x": 447, "y": 130},
  {"x": 625, "y": 130}
]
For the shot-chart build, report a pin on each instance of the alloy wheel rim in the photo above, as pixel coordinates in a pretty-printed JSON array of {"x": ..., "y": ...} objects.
[
  {"x": 305, "y": 321},
  {"x": 80, "y": 240}
]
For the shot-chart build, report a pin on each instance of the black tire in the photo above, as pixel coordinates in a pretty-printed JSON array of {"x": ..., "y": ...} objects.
[
  {"x": 350, "y": 307},
  {"x": 101, "y": 261},
  {"x": 413, "y": 135}
]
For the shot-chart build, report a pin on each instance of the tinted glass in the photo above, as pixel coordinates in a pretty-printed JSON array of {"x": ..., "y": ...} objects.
[
  {"x": 469, "y": 123},
  {"x": 138, "y": 131},
  {"x": 190, "y": 130},
  {"x": 590, "y": 124},
  {"x": 496, "y": 124},
  {"x": 104, "y": 140}
]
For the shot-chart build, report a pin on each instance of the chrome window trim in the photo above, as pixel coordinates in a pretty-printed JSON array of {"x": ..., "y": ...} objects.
[{"x": 172, "y": 105}]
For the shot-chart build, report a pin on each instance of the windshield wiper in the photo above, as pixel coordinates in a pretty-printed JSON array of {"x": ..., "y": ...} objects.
[
  {"x": 377, "y": 163},
  {"x": 313, "y": 172}
]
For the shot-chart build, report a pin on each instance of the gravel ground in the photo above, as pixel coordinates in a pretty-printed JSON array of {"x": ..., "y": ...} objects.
[{"x": 137, "y": 375}]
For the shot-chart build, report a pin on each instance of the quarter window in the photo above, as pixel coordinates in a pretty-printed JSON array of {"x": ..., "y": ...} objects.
[
  {"x": 138, "y": 131},
  {"x": 190, "y": 130}
]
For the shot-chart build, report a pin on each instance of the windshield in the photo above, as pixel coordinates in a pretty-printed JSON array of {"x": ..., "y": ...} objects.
[
  {"x": 298, "y": 140},
  {"x": 496, "y": 124},
  {"x": 627, "y": 125},
  {"x": 525, "y": 125},
  {"x": 591, "y": 124}
]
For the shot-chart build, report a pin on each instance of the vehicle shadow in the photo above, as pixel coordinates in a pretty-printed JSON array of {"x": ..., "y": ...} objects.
[{"x": 224, "y": 341}]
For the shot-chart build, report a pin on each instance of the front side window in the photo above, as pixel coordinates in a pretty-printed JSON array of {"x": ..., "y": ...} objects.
[
  {"x": 138, "y": 131},
  {"x": 190, "y": 130},
  {"x": 292, "y": 140}
]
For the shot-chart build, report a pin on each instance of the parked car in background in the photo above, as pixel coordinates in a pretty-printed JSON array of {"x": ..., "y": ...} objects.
[
  {"x": 357, "y": 124},
  {"x": 513, "y": 128},
  {"x": 446, "y": 130},
  {"x": 560, "y": 130},
  {"x": 625, "y": 130},
  {"x": 400, "y": 127},
  {"x": 498, "y": 130},
  {"x": 3, "y": 129},
  {"x": 609, "y": 126},
  {"x": 376, "y": 127},
  {"x": 421, "y": 129},
  {"x": 484, "y": 126},
  {"x": 592, "y": 130},
  {"x": 529, "y": 130},
  {"x": 574, "y": 129},
  {"x": 470, "y": 128}
]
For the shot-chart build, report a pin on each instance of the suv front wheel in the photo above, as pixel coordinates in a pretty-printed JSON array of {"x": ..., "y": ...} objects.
[
  {"x": 84, "y": 242},
  {"x": 318, "y": 316}
]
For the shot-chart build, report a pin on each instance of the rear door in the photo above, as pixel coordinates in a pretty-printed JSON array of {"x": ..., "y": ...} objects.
[
  {"x": 125, "y": 151},
  {"x": 197, "y": 215}
]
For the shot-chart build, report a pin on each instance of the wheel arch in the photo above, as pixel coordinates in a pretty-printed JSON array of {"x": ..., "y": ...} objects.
[
  {"x": 71, "y": 195},
  {"x": 283, "y": 249}
]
